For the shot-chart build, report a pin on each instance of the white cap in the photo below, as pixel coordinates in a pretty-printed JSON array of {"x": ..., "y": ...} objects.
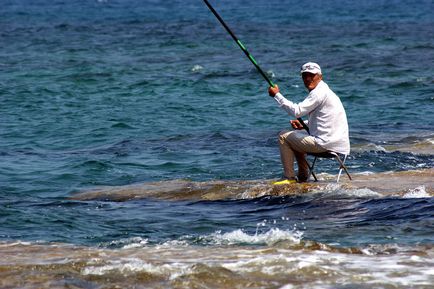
[{"x": 311, "y": 67}]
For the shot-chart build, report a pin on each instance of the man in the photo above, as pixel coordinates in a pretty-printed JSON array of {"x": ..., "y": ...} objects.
[{"x": 327, "y": 124}]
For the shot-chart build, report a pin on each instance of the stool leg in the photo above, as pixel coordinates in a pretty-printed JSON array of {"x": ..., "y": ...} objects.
[
  {"x": 342, "y": 167},
  {"x": 311, "y": 172}
]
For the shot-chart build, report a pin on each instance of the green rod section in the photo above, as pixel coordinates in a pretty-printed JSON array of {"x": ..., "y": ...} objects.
[{"x": 249, "y": 56}]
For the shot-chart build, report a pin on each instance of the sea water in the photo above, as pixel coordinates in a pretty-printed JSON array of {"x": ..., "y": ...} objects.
[{"x": 137, "y": 144}]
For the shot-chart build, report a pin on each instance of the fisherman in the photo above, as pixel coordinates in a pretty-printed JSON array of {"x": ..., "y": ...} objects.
[{"x": 327, "y": 122}]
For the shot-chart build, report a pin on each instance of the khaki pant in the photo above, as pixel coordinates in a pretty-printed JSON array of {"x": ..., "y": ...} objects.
[{"x": 296, "y": 144}]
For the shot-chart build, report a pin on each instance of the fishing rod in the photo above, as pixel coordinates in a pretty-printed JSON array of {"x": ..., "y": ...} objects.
[{"x": 249, "y": 56}]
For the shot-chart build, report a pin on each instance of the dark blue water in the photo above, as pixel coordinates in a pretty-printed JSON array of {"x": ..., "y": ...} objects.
[
  {"x": 121, "y": 92},
  {"x": 340, "y": 221}
]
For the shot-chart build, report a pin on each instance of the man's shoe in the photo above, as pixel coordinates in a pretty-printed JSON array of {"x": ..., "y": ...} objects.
[
  {"x": 302, "y": 178},
  {"x": 285, "y": 182}
]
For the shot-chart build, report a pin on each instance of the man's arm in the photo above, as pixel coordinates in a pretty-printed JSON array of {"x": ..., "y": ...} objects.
[{"x": 294, "y": 109}]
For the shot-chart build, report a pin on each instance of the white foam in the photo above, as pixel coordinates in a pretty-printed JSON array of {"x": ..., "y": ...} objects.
[
  {"x": 270, "y": 237},
  {"x": 197, "y": 68},
  {"x": 369, "y": 147},
  {"x": 366, "y": 173},
  {"x": 362, "y": 192},
  {"x": 267, "y": 264},
  {"x": 390, "y": 269},
  {"x": 130, "y": 266},
  {"x": 336, "y": 189},
  {"x": 173, "y": 244},
  {"x": 418, "y": 192},
  {"x": 136, "y": 243},
  {"x": 287, "y": 286},
  {"x": 317, "y": 269},
  {"x": 17, "y": 243},
  {"x": 271, "y": 73},
  {"x": 128, "y": 243}
]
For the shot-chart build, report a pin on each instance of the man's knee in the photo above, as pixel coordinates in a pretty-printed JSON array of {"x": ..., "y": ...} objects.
[{"x": 283, "y": 135}]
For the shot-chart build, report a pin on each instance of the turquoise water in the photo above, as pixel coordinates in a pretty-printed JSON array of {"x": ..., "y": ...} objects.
[{"x": 114, "y": 93}]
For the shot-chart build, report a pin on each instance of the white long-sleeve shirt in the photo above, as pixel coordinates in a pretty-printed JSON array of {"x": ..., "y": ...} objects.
[{"x": 327, "y": 120}]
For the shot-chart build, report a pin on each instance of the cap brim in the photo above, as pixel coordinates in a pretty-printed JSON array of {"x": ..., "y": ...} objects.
[{"x": 315, "y": 71}]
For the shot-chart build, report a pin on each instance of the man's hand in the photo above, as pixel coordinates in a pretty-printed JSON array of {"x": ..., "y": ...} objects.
[
  {"x": 273, "y": 90},
  {"x": 296, "y": 124}
]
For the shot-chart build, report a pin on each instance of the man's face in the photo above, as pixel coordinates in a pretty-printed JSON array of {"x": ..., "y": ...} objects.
[{"x": 311, "y": 80}]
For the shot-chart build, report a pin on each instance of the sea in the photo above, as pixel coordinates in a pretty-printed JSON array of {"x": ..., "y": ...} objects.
[{"x": 138, "y": 145}]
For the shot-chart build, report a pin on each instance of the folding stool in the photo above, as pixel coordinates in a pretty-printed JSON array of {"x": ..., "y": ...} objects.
[{"x": 328, "y": 155}]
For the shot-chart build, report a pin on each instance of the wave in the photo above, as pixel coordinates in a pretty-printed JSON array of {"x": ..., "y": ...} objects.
[
  {"x": 239, "y": 237},
  {"x": 420, "y": 146},
  {"x": 365, "y": 184},
  {"x": 418, "y": 192},
  {"x": 317, "y": 266}
]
